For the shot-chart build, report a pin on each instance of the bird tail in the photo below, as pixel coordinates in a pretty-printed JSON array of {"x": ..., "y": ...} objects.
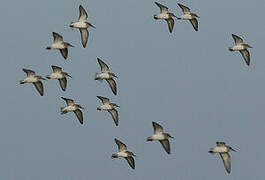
[
  {"x": 114, "y": 156},
  {"x": 149, "y": 139},
  {"x": 230, "y": 49},
  {"x": 21, "y": 82},
  {"x": 62, "y": 111},
  {"x": 97, "y": 78}
]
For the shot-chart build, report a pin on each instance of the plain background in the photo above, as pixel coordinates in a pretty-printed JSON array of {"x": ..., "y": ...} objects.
[{"x": 187, "y": 81}]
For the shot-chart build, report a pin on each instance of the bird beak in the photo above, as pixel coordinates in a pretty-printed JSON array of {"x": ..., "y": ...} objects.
[
  {"x": 233, "y": 150},
  {"x": 69, "y": 76}
]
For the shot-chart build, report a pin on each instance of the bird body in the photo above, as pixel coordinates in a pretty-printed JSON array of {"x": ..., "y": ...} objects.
[
  {"x": 72, "y": 107},
  {"x": 241, "y": 47},
  {"x": 160, "y": 136},
  {"x": 110, "y": 107},
  {"x": 32, "y": 78},
  {"x": 223, "y": 150},
  {"x": 107, "y": 75},
  {"x": 165, "y": 15},
  {"x": 82, "y": 25},
  {"x": 124, "y": 153}
]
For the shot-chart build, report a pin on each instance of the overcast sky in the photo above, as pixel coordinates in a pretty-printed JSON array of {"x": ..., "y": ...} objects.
[{"x": 186, "y": 81}]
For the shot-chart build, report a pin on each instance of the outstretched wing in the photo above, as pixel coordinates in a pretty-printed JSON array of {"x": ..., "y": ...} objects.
[
  {"x": 121, "y": 146},
  {"x": 29, "y": 72},
  {"x": 163, "y": 9},
  {"x": 38, "y": 85},
  {"x": 57, "y": 37},
  {"x": 194, "y": 23},
  {"x": 157, "y": 128},
  {"x": 63, "y": 83},
  {"x": 56, "y": 69},
  {"x": 104, "y": 100},
  {"x": 64, "y": 52},
  {"x": 84, "y": 36},
  {"x": 246, "y": 56},
  {"x": 237, "y": 39},
  {"x": 69, "y": 102},
  {"x": 227, "y": 161},
  {"x": 185, "y": 9},
  {"x": 114, "y": 115},
  {"x": 130, "y": 161},
  {"x": 82, "y": 14},
  {"x": 170, "y": 23},
  {"x": 79, "y": 115},
  {"x": 104, "y": 67},
  {"x": 166, "y": 145},
  {"x": 112, "y": 85}
]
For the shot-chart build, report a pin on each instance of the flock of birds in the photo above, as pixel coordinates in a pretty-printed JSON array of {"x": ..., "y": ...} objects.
[{"x": 105, "y": 74}]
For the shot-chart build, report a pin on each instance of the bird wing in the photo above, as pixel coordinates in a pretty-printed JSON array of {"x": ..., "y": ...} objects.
[
  {"x": 194, "y": 23},
  {"x": 56, "y": 68},
  {"x": 104, "y": 100},
  {"x": 220, "y": 143},
  {"x": 39, "y": 86},
  {"x": 121, "y": 146},
  {"x": 84, "y": 36},
  {"x": 79, "y": 115},
  {"x": 104, "y": 67},
  {"x": 237, "y": 39},
  {"x": 157, "y": 128},
  {"x": 166, "y": 145},
  {"x": 170, "y": 23},
  {"x": 69, "y": 102},
  {"x": 63, "y": 83},
  {"x": 227, "y": 161},
  {"x": 112, "y": 85},
  {"x": 114, "y": 114},
  {"x": 130, "y": 161},
  {"x": 64, "y": 52},
  {"x": 163, "y": 9},
  {"x": 57, "y": 37},
  {"x": 82, "y": 14},
  {"x": 29, "y": 72},
  {"x": 185, "y": 9},
  {"x": 246, "y": 56}
]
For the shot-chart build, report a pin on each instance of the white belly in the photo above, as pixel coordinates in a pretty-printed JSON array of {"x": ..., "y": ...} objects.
[
  {"x": 69, "y": 108},
  {"x": 105, "y": 107},
  {"x": 79, "y": 24},
  {"x": 122, "y": 154},
  {"x": 57, "y": 46},
  {"x": 162, "y": 16},
  {"x": 30, "y": 80},
  {"x": 186, "y": 17},
  {"x": 220, "y": 149},
  {"x": 56, "y": 76},
  {"x": 238, "y": 47},
  {"x": 103, "y": 75},
  {"x": 158, "y": 137}
]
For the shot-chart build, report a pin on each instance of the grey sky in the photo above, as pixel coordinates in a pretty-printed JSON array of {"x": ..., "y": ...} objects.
[{"x": 187, "y": 81}]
